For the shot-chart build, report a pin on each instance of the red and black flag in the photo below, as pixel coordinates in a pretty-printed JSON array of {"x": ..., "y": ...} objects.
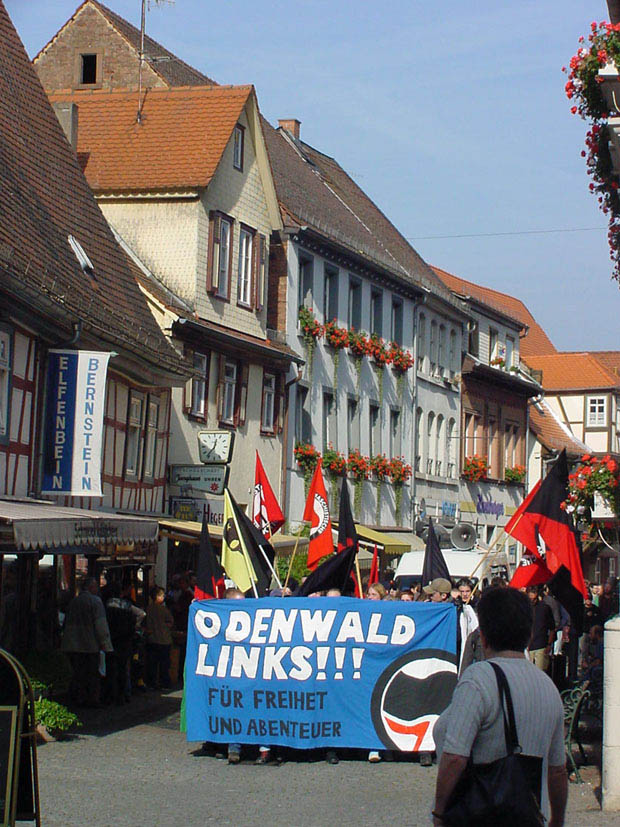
[
  {"x": 316, "y": 513},
  {"x": 434, "y": 563},
  {"x": 543, "y": 515},
  {"x": 374, "y": 568},
  {"x": 266, "y": 512},
  {"x": 209, "y": 574},
  {"x": 531, "y": 571}
]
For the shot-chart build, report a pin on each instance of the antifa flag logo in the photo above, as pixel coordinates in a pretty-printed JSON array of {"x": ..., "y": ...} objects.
[
  {"x": 322, "y": 514},
  {"x": 409, "y": 697},
  {"x": 259, "y": 507}
]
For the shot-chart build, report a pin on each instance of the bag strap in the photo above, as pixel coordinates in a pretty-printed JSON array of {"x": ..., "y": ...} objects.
[{"x": 510, "y": 725}]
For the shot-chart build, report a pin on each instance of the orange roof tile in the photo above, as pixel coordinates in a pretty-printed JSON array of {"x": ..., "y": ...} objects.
[
  {"x": 551, "y": 433},
  {"x": 573, "y": 371},
  {"x": 610, "y": 359},
  {"x": 535, "y": 340},
  {"x": 178, "y": 144}
]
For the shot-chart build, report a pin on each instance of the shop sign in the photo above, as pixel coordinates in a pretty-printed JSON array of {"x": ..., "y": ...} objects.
[
  {"x": 74, "y": 422},
  {"x": 448, "y": 510},
  {"x": 188, "y": 508},
  {"x": 211, "y": 478},
  {"x": 489, "y": 507}
]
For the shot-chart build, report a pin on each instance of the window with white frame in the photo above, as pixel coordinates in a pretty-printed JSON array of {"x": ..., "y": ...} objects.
[
  {"x": 198, "y": 401},
  {"x": 597, "y": 411},
  {"x": 493, "y": 344},
  {"x": 439, "y": 466},
  {"x": 218, "y": 277},
  {"x": 133, "y": 439},
  {"x": 150, "y": 438},
  {"x": 429, "y": 442},
  {"x": 244, "y": 285},
  {"x": 230, "y": 392},
  {"x": 238, "y": 141},
  {"x": 470, "y": 428},
  {"x": 510, "y": 351},
  {"x": 441, "y": 350},
  {"x": 451, "y": 449},
  {"x": 511, "y": 433},
  {"x": 421, "y": 344},
  {"x": 5, "y": 382},
  {"x": 433, "y": 348},
  {"x": 305, "y": 285},
  {"x": 268, "y": 415},
  {"x": 419, "y": 424}
]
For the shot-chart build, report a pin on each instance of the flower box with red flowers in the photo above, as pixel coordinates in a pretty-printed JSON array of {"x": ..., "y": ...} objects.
[
  {"x": 334, "y": 462},
  {"x": 515, "y": 474},
  {"x": 306, "y": 456},
  {"x": 400, "y": 471},
  {"x": 380, "y": 467},
  {"x": 310, "y": 326},
  {"x": 401, "y": 359},
  {"x": 378, "y": 351},
  {"x": 475, "y": 468},
  {"x": 358, "y": 343},
  {"x": 336, "y": 337},
  {"x": 358, "y": 465}
]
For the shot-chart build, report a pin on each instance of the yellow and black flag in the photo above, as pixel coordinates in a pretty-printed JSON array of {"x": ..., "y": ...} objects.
[{"x": 246, "y": 555}]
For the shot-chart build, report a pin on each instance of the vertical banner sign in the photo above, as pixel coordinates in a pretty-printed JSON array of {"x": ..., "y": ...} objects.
[
  {"x": 76, "y": 382},
  {"x": 319, "y": 672}
]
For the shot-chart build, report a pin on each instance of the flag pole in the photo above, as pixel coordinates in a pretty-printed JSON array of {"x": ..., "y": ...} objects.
[
  {"x": 490, "y": 549},
  {"x": 359, "y": 576},
  {"x": 290, "y": 565},
  {"x": 271, "y": 568}
]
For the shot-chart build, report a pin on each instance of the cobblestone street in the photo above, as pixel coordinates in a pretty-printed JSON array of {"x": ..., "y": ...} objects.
[{"x": 116, "y": 773}]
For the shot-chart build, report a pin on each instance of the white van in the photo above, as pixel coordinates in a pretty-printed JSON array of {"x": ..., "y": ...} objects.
[{"x": 460, "y": 564}]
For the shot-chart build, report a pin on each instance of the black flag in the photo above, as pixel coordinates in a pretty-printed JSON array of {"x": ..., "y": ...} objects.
[
  {"x": 259, "y": 551},
  {"x": 434, "y": 563},
  {"x": 347, "y": 535},
  {"x": 209, "y": 574}
]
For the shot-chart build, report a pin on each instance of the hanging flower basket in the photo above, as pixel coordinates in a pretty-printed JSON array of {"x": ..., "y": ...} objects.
[
  {"x": 358, "y": 343},
  {"x": 584, "y": 89},
  {"x": 594, "y": 476},
  {"x": 311, "y": 330},
  {"x": 475, "y": 468},
  {"x": 378, "y": 350}
]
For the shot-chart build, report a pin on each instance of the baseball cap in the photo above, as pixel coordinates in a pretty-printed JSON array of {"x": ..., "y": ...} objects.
[{"x": 439, "y": 584}]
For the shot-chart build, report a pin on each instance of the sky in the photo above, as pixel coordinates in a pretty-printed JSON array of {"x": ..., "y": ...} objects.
[{"x": 452, "y": 117}]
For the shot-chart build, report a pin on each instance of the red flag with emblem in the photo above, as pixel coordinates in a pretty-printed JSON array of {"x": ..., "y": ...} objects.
[
  {"x": 266, "y": 512},
  {"x": 316, "y": 513}
]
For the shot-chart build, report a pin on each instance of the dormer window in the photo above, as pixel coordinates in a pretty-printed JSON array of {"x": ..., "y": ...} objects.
[
  {"x": 83, "y": 260},
  {"x": 238, "y": 141},
  {"x": 88, "y": 70}
]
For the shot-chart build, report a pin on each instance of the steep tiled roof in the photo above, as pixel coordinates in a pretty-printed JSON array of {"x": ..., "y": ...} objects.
[
  {"x": 44, "y": 198},
  {"x": 315, "y": 191},
  {"x": 573, "y": 371},
  {"x": 552, "y": 433},
  {"x": 168, "y": 66},
  {"x": 178, "y": 143},
  {"x": 610, "y": 359},
  {"x": 535, "y": 341}
]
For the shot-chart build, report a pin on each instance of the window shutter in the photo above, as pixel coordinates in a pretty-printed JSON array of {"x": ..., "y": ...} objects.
[
  {"x": 220, "y": 388},
  {"x": 242, "y": 391},
  {"x": 213, "y": 257},
  {"x": 259, "y": 270}
]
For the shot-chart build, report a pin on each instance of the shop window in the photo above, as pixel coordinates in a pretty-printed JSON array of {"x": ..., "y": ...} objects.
[
  {"x": 6, "y": 359},
  {"x": 219, "y": 258},
  {"x": 150, "y": 438},
  {"x": 135, "y": 429},
  {"x": 238, "y": 147}
]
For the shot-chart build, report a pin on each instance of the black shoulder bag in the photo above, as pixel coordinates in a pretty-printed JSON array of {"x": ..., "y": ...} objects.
[{"x": 506, "y": 791}]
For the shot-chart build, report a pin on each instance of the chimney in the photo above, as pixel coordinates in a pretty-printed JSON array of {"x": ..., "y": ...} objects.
[
  {"x": 291, "y": 125},
  {"x": 67, "y": 114}
]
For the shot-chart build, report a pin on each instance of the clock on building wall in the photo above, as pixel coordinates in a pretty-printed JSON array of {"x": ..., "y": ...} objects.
[{"x": 215, "y": 446}]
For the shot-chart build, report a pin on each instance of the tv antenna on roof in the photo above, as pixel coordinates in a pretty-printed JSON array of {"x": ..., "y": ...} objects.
[{"x": 141, "y": 61}]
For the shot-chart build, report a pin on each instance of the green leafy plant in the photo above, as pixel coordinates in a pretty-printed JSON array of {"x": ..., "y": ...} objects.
[
  {"x": 54, "y": 716},
  {"x": 400, "y": 472},
  {"x": 515, "y": 474},
  {"x": 311, "y": 330},
  {"x": 49, "y": 668},
  {"x": 307, "y": 457}
]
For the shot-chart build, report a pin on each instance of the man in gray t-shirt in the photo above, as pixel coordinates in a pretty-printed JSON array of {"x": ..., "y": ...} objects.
[{"x": 473, "y": 723}]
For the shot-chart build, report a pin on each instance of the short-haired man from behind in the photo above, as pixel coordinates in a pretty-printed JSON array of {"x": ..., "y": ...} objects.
[{"x": 473, "y": 724}]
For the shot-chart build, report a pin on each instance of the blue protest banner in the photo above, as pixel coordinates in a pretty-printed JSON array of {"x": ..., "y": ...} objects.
[{"x": 319, "y": 672}]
